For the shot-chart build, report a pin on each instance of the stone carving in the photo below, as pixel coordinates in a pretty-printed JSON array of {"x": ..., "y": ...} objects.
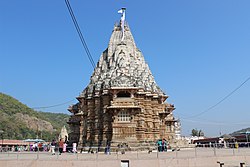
[
  {"x": 121, "y": 59},
  {"x": 121, "y": 88}
]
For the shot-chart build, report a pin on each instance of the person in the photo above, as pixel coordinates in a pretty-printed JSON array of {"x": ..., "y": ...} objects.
[
  {"x": 236, "y": 145},
  {"x": 40, "y": 146},
  {"x": 64, "y": 147},
  {"x": 107, "y": 149},
  {"x": 164, "y": 145},
  {"x": 159, "y": 145},
  {"x": 53, "y": 145},
  {"x": 60, "y": 146},
  {"x": 35, "y": 147},
  {"x": 74, "y": 148}
]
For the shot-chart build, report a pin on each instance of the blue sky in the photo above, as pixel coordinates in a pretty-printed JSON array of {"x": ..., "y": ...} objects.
[{"x": 198, "y": 52}]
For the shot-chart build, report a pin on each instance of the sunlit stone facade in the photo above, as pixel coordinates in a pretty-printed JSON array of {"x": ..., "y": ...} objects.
[{"x": 122, "y": 102}]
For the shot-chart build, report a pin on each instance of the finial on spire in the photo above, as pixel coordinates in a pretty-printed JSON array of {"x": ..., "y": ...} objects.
[{"x": 122, "y": 21}]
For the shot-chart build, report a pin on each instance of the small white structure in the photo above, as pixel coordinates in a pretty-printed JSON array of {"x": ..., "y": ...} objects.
[
  {"x": 64, "y": 134},
  {"x": 177, "y": 126},
  {"x": 192, "y": 138}
]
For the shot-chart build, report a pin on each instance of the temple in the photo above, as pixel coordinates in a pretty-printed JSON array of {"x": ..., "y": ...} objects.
[{"x": 122, "y": 102}]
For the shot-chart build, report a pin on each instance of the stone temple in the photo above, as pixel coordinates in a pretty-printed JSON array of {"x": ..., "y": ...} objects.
[{"x": 122, "y": 103}]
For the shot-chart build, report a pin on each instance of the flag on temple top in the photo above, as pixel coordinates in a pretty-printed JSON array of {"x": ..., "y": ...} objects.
[
  {"x": 120, "y": 11},
  {"x": 122, "y": 21}
]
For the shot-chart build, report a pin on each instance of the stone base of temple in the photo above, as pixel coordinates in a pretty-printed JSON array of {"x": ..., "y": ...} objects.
[{"x": 136, "y": 118}]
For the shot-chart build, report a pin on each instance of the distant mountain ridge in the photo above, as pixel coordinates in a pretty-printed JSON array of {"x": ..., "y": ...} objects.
[
  {"x": 18, "y": 121},
  {"x": 242, "y": 131}
]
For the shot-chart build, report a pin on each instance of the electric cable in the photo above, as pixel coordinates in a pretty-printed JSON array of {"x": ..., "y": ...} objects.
[
  {"x": 56, "y": 105},
  {"x": 223, "y": 99},
  {"x": 80, "y": 33},
  {"x": 84, "y": 45},
  {"x": 207, "y": 122}
]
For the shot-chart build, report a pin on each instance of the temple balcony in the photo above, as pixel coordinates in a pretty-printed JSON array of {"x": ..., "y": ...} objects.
[
  {"x": 73, "y": 108},
  {"x": 164, "y": 114},
  {"x": 170, "y": 107},
  {"x": 124, "y": 102},
  {"x": 171, "y": 119}
]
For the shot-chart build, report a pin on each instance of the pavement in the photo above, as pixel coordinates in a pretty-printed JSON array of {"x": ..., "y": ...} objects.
[{"x": 192, "y": 157}]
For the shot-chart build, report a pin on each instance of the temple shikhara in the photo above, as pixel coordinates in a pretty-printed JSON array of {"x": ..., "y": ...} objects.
[{"x": 122, "y": 102}]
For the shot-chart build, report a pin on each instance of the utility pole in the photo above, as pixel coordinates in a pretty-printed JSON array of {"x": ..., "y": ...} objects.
[
  {"x": 247, "y": 133},
  {"x": 1, "y": 132}
]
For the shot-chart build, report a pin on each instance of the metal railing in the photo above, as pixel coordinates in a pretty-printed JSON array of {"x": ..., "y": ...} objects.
[{"x": 114, "y": 153}]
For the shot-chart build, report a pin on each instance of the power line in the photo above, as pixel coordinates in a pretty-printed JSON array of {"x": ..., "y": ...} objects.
[
  {"x": 84, "y": 45},
  {"x": 227, "y": 96},
  {"x": 56, "y": 105},
  {"x": 215, "y": 123},
  {"x": 80, "y": 33}
]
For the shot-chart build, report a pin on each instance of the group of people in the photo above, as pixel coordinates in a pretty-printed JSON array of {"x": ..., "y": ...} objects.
[
  {"x": 162, "y": 145},
  {"x": 63, "y": 146},
  {"x": 38, "y": 146}
]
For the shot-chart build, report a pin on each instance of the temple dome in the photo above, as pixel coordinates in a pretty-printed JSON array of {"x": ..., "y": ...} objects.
[{"x": 121, "y": 65}]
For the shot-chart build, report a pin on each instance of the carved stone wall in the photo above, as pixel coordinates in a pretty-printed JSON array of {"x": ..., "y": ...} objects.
[{"x": 122, "y": 102}]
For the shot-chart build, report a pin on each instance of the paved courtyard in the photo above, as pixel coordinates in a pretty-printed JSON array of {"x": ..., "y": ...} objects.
[{"x": 200, "y": 157}]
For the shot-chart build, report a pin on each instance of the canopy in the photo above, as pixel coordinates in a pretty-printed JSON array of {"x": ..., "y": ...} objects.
[{"x": 34, "y": 140}]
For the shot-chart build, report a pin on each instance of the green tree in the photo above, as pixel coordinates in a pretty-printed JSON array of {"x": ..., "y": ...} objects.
[{"x": 196, "y": 132}]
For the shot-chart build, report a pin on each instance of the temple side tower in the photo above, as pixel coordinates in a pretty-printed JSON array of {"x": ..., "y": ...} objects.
[{"x": 122, "y": 102}]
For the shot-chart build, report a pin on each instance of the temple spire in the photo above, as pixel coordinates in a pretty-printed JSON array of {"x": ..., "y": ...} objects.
[{"x": 122, "y": 21}]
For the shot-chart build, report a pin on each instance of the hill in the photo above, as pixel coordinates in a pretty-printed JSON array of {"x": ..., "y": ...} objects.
[
  {"x": 18, "y": 121},
  {"x": 242, "y": 131}
]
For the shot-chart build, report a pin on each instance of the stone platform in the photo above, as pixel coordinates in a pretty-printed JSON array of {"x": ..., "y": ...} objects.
[{"x": 201, "y": 157}]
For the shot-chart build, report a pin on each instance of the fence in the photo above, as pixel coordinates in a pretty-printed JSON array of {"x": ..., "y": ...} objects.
[{"x": 101, "y": 153}]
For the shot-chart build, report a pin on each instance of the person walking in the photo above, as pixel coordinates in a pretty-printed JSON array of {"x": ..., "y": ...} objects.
[
  {"x": 53, "y": 145},
  {"x": 60, "y": 146},
  {"x": 64, "y": 147}
]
